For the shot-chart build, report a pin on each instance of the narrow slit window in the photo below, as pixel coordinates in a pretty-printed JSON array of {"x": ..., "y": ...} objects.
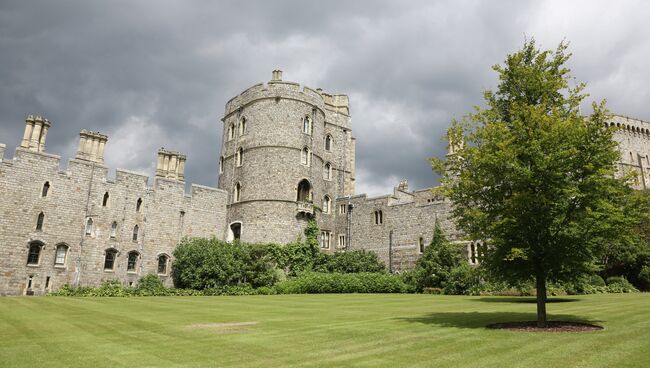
[
  {"x": 105, "y": 199},
  {"x": 138, "y": 205},
  {"x": 46, "y": 189},
  {"x": 39, "y": 221},
  {"x": 136, "y": 230},
  {"x": 89, "y": 226}
]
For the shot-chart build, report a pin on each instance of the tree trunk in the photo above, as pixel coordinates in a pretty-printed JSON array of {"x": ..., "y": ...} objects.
[{"x": 541, "y": 300}]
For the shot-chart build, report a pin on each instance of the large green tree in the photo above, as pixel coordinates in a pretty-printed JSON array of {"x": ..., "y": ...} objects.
[{"x": 534, "y": 177}]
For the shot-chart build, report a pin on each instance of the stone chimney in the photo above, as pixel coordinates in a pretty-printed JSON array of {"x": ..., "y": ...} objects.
[
  {"x": 403, "y": 185},
  {"x": 91, "y": 146},
  {"x": 35, "y": 133},
  {"x": 276, "y": 76},
  {"x": 171, "y": 165}
]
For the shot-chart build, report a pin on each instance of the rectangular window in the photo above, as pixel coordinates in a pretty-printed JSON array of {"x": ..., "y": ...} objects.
[
  {"x": 325, "y": 236},
  {"x": 343, "y": 208},
  {"x": 341, "y": 241}
]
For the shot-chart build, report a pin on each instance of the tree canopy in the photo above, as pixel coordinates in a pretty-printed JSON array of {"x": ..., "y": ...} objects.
[{"x": 534, "y": 177}]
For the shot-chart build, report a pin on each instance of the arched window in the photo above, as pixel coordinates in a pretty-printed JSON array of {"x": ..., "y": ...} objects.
[
  {"x": 327, "y": 171},
  {"x": 46, "y": 188},
  {"x": 132, "y": 261},
  {"x": 235, "y": 231},
  {"x": 304, "y": 191},
  {"x": 109, "y": 259},
  {"x": 221, "y": 165},
  {"x": 34, "y": 254},
  {"x": 631, "y": 158},
  {"x": 89, "y": 226},
  {"x": 138, "y": 205},
  {"x": 327, "y": 204},
  {"x": 379, "y": 217},
  {"x": 239, "y": 156},
  {"x": 305, "y": 158},
  {"x": 136, "y": 230},
  {"x": 113, "y": 229},
  {"x": 162, "y": 264},
  {"x": 328, "y": 142},
  {"x": 306, "y": 125},
  {"x": 236, "y": 195},
  {"x": 242, "y": 126},
  {"x": 61, "y": 253},
  {"x": 231, "y": 132},
  {"x": 39, "y": 221},
  {"x": 421, "y": 245},
  {"x": 105, "y": 200}
]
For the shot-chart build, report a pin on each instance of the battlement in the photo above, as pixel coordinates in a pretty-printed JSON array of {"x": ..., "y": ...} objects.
[
  {"x": 278, "y": 88},
  {"x": 630, "y": 125}
]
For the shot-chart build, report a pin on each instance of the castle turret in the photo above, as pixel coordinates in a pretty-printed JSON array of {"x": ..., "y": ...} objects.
[
  {"x": 285, "y": 158},
  {"x": 35, "y": 133},
  {"x": 91, "y": 146},
  {"x": 170, "y": 165}
]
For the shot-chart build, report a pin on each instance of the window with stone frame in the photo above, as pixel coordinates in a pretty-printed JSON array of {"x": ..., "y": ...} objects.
[
  {"x": 138, "y": 205},
  {"x": 327, "y": 171},
  {"x": 379, "y": 217},
  {"x": 89, "y": 226},
  {"x": 136, "y": 232},
  {"x": 307, "y": 126},
  {"x": 132, "y": 261},
  {"x": 34, "y": 253},
  {"x": 46, "y": 189},
  {"x": 305, "y": 156},
  {"x": 325, "y": 238},
  {"x": 421, "y": 245},
  {"x": 343, "y": 208},
  {"x": 341, "y": 241},
  {"x": 113, "y": 233},
  {"x": 60, "y": 255},
  {"x": 39, "y": 221},
  {"x": 231, "y": 132},
  {"x": 236, "y": 195},
  {"x": 328, "y": 142},
  {"x": 162, "y": 264},
  {"x": 105, "y": 199},
  {"x": 242, "y": 126},
  {"x": 221, "y": 162},
  {"x": 109, "y": 259},
  {"x": 239, "y": 156},
  {"x": 327, "y": 204}
]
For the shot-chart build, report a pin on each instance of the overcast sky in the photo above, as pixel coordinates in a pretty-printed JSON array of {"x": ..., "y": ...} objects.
[{"x": 158, "y": 73}]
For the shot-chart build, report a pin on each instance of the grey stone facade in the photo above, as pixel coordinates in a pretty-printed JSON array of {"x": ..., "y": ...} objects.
[
  {"x": 83, "y": 191},
  {"x": 285, "y": 150}
]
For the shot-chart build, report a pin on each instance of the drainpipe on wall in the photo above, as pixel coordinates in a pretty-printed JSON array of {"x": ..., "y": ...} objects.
[{"x": 390, "y": 251}]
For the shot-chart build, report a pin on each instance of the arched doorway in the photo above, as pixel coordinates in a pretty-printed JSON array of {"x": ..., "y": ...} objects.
[{"x": 234, "y": 231}]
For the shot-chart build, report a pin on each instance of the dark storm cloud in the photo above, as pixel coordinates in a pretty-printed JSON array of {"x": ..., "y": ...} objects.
[{"x": 158, "y": 73}]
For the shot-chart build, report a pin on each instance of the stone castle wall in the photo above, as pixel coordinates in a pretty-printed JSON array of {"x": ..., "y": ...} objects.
[
  {"x": 633, "y": 138},
  {"x": 76, "y": 194},
  {"x": 272, "y": 163}
]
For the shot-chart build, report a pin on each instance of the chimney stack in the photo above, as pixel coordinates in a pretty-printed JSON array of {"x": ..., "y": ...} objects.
[
  {"x": 91, "y": 146},
  {"x": 171, "y": 165},
  {"x": 35, "y": 133},
  {"x": 276, "y": 76}
]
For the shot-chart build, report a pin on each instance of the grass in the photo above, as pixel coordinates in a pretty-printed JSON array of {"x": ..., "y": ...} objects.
[{"x": 353, "y": 330}]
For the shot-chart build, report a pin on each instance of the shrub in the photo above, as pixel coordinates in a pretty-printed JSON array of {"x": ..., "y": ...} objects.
[
  {"x": 460, "y": 280},
  {"x": 150, "y": 285},
  {"x": 435, "y": 266},
  {"x": 208, "y": 263},
  {"x": 364, "y": 282},
  {"x": 615, "y": 280},
  {"x": 353, "y": 261},
  {"x": 644, "y": 278}
]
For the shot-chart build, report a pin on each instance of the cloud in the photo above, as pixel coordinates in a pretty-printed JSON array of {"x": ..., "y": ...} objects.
[{"x": 153, "y": 73}]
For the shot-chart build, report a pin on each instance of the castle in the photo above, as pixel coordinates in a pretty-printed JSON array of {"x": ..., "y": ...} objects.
[{"x": 288, "y": 154}]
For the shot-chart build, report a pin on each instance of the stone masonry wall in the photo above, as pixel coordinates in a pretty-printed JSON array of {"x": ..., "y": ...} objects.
[{"x": 76, "y": 194}]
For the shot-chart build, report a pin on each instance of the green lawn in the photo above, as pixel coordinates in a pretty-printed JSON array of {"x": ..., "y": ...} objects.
[{"x": 318, "y": 331}]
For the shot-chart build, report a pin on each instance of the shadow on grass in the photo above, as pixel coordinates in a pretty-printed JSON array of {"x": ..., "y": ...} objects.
[
  {"x": 522, "y": 299},
  {"x": 482, "y": 319}
]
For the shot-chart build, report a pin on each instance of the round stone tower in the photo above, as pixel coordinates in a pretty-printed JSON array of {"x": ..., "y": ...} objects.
[{"x": 287, "y": 154}]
